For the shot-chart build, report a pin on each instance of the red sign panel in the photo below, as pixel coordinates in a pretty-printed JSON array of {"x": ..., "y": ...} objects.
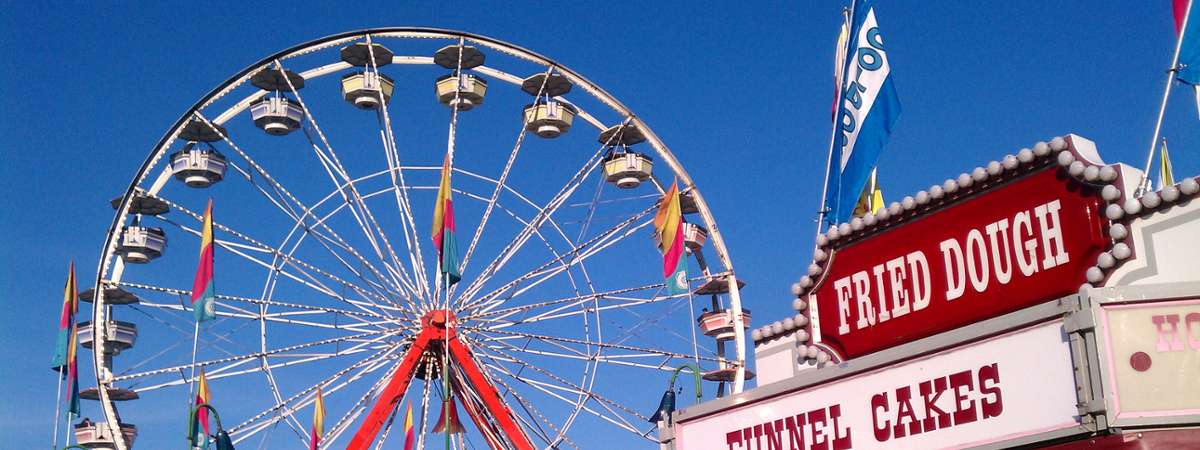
[{"x": 1014, "y": 246}]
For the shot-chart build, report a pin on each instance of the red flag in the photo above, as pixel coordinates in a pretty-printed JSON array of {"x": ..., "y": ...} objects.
[
  {"x": 1179, "y": 8},
  {"x": 455, "y": 426}
]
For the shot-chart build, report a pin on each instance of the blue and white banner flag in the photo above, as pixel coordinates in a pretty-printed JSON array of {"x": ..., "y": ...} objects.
[{"x": 869, "y": 108}]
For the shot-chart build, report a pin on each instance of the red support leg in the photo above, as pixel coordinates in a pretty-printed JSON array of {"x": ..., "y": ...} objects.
[
  {"x": 491, "y": 398},
  {"x": 392, "y": 393},
  {"x": 434, "y": 328}
]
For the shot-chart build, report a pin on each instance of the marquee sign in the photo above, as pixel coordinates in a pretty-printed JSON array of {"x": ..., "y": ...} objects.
[
  {"x": 981, "y": 393},
  {"x": 1023, "y": 242}
]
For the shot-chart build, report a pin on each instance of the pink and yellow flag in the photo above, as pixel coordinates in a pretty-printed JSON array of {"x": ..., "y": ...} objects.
[
  {"x": 200, "y": 432},
  {"x": 443, "y": 228},
  {"x": 668, "y": 228},
  {"x": 408, "y": 429},
  {"x": 73, "y": 372},
  {"x": 318, "y": 427},
  {"x": 204, "y": 291}
]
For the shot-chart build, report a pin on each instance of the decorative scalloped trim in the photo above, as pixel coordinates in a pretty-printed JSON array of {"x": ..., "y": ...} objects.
[{"x": 1074, "y": 154}]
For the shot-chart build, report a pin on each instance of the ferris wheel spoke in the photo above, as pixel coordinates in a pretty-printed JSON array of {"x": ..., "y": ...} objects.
[
  {"x": 360, "y": 316},
  {"x": 231, "y": 365},
  {"x": 362, "y": 214},
  {"x": 311, "y": 228},
  {"x": 276, "y": 185},
  {"x": 178, "y": 343},
  {"x": 606, "y": 345},
  {"x": 424, "y": 407},
  {"x": 578, "y": 253},
  {"x": 306, "y": 397},
  {"x": 576, "y": 308},
  {"x": 500, "y": 182},
  {"x": 543, "y": 214},
  {"x": 304, "y": 278},
  {"x": 378, "y": 335},
  {"x": 628, "y": 360},
  {"x": 566, "y": 386},
  {"x": 556, "y": 393},
  {"x": 360, "y": 406},
  {"x": 281, "y": 317},
  {"x": 498, "y": 315},
  {"x": 400, "y": 193},
  {"x": 535, "y": 417}
]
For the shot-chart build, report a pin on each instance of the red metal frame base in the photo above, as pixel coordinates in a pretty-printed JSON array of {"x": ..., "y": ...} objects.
[{"x": 438, "y": 326}]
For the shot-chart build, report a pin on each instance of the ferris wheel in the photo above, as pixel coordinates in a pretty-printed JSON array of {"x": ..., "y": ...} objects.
[{"x": 322, "y": 168}]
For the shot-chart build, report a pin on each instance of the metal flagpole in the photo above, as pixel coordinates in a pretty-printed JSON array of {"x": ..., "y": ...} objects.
[
  {"x": 847, "y": 17},
  {"x": 58, "y": 406},
  {"x": 67, "y": 431},
  {"x": 192, "y": 377},
  {"x": 1162, "y": 107},
  {"x": 449, "y": 402}
]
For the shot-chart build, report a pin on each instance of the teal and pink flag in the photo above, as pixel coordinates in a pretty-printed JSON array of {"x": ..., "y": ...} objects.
[
  {"x": 204, "y": 291},
  {"x": 443, "y": 228},
  {"x": 668, "y": 228},
  {"x": 66, "y": 321}
]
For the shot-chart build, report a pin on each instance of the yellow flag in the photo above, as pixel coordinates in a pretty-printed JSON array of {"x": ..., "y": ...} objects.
[
  {"x": 871, "y": 200},
  {"x": 1165, "y": 177}
]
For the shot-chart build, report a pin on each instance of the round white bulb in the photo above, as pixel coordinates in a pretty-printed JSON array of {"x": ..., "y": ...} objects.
[
  {"x": 1025, "y": 156},
  {"x": 1041, "y": 149},
  {"x": 1151, "y": 200},
  {"x": 1110, "y": 192},
  {"x": 1058, "y": 144},
  {"x": 799, "y": 304},
  {"x": 1169, "y": 194},
  {"x": 1076, "y": 168},
  {"x": 1108, "y": 173},
  {"x": 1065, "y": 159},
  {"x": 1133, "y": 206},
  {"x": 1121, "y": 251},
  {"x": 1114, "y": 212},
  {"x": 1118, "y": 231}
]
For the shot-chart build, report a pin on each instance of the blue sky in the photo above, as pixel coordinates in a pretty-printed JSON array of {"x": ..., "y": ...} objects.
[{"x": 740, "y": 93}]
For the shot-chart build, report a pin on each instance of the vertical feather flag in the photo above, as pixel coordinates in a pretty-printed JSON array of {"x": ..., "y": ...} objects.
[
  {"x": 408, "y": 428},
  {"x": 318, "y": 427},
  {"x": 200, "y": 432},
  {"x": 455, "y": 426},
  {"x": 203, "y": 289},
  {"x": 1165, "y": 177},
  {"x": 443, "y": 228},
  {"x": 66, "y": 320},
  {"x": 73, "y": 372},
  {"x": 668, "y": 230},
  {"x": 866, "y": 114}
]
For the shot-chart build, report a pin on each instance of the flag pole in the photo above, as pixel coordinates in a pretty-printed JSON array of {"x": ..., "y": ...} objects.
[
  {"x": 67, "y": 432},
  {"x": 449, "y": 403},
  {"x": 1162, "y": 107},
  {"x": 58, "y": 408},
  {"x": 192, "y": 377},
  {"x": 847, "y": 18}
]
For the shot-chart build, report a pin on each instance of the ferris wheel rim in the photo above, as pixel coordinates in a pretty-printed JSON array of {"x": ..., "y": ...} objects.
[{"x": 108, "y": 255}]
